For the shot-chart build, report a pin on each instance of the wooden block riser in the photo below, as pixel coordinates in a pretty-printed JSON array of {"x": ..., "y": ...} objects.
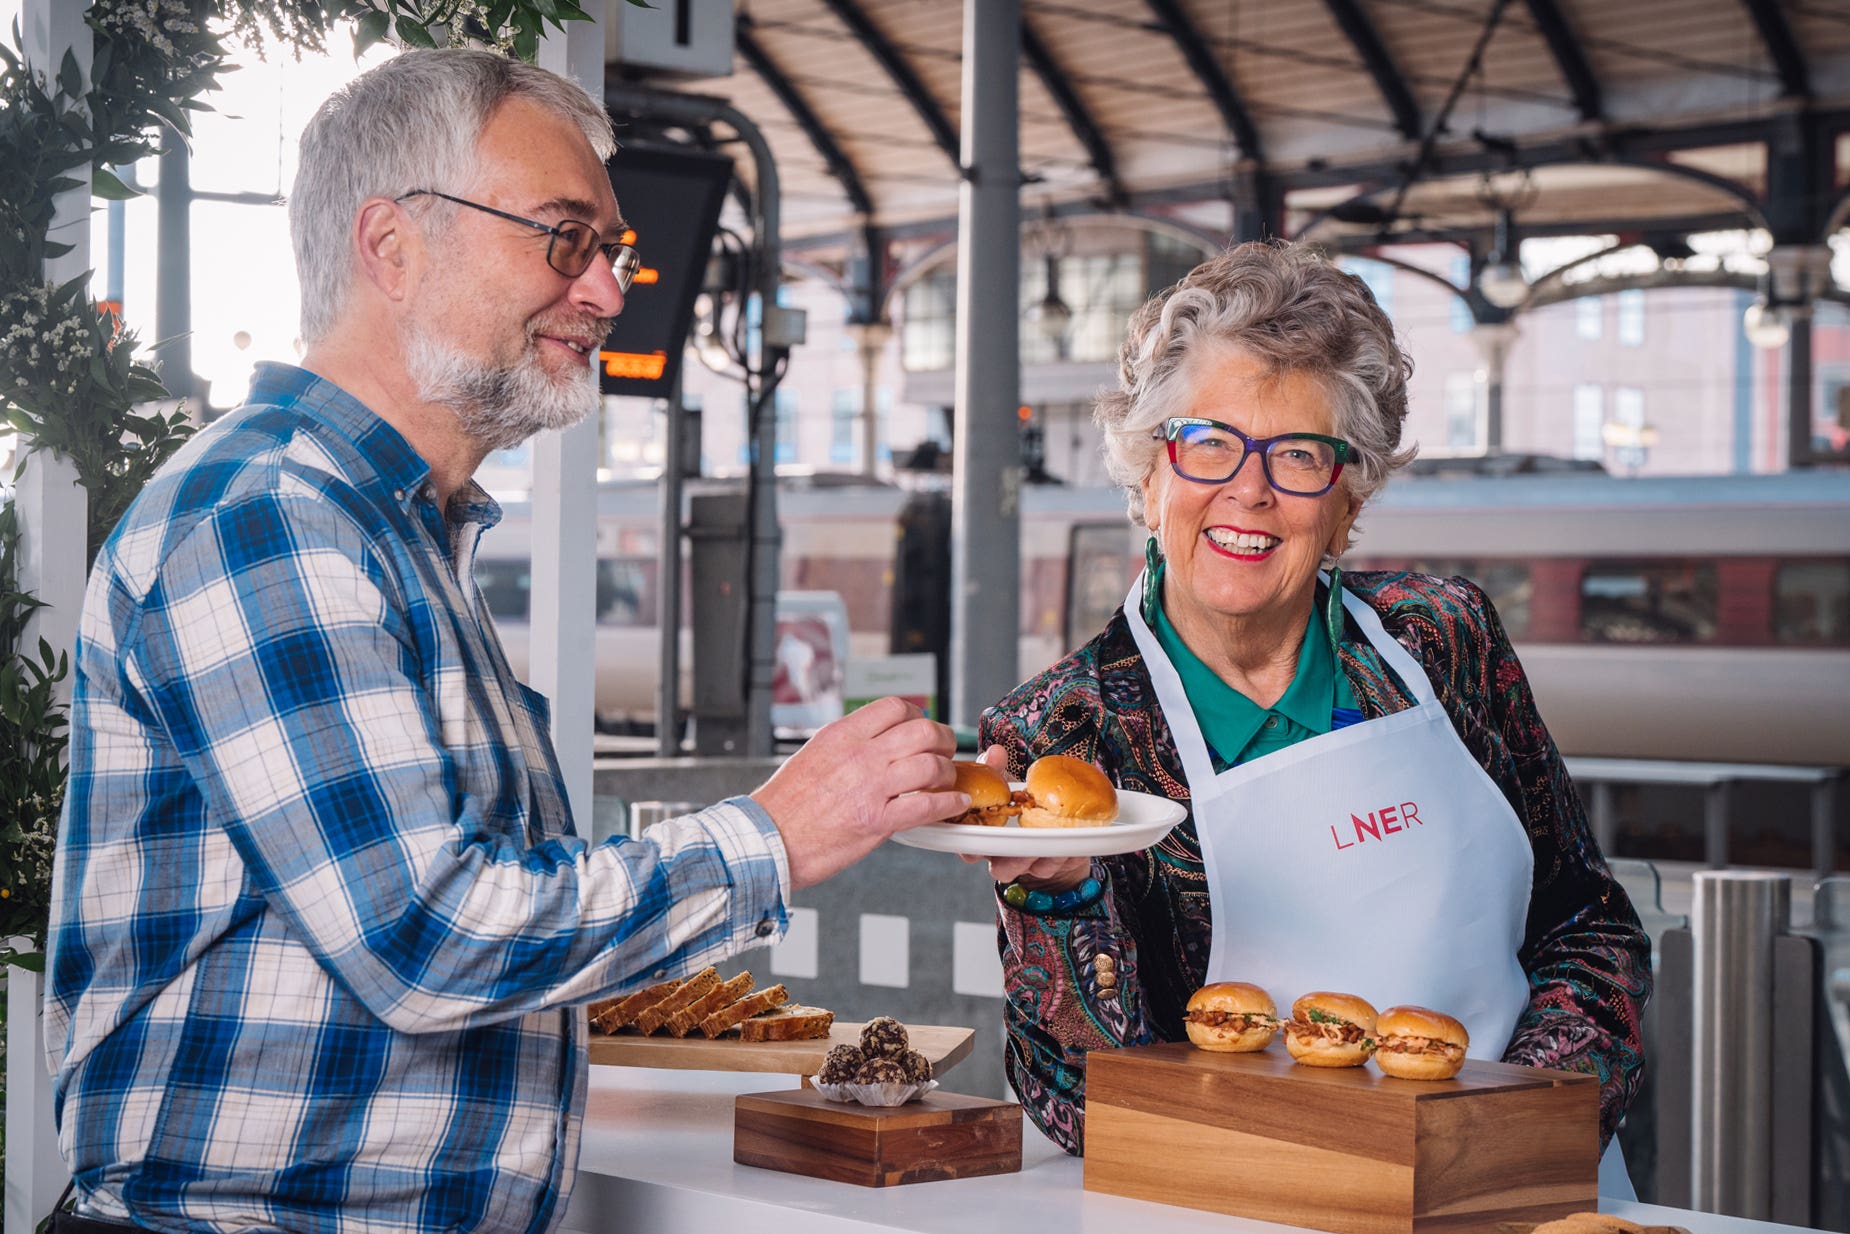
[
  {"x": 942, "y": 1136},
  {"x": 1345, "y": 1150}
]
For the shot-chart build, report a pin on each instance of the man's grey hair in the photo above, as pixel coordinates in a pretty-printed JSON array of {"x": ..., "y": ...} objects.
[
  {"x": 414, "y": 122},
  {"x": 1289, "y": 308}
]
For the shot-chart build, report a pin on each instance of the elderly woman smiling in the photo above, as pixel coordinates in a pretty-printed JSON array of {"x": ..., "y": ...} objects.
[{"x": 1375, "y": 806}]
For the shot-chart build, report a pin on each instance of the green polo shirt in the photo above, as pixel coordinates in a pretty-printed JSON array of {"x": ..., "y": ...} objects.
[{"x": 1239, "y": 730}]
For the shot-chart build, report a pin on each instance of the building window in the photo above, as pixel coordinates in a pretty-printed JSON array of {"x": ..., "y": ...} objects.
[
  {"x": 1462, "y": 422},
  {"x": 928, "y": 331},
  {"x": 1589, "y": 316},
  {"x": 1102, "y": 289},
  {"x": 844, "y": 410},
  {"x": 1378, "y": 275},
  {"x": 1462, "y": 321},
  {"x": 786, "y": 403},
  {"x": 1631, "y": 317},
  {"x": 1589, "y": 422}
]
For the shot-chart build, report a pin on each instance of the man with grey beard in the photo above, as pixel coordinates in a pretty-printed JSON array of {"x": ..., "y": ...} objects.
[{"x": 323, "y": 927}]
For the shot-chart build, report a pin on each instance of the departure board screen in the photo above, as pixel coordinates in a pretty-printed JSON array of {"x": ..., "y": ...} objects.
[{"x": 671, "y": 200}]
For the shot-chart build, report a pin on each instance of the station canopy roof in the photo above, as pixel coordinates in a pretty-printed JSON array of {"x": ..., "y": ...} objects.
[{"x": 1653, "y": 118}]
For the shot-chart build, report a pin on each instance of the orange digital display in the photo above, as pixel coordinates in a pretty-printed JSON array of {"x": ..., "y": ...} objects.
[
  {"x": 671, "y": 202},
  {"x": 629, "y": 364}
]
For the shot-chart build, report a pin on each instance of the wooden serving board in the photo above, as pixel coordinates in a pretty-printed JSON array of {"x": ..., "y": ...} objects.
[
  {"x": 1345, "y": 1149},
  {"x": 939, "y": 1136},
  {"x": 944, "y": 1046}
]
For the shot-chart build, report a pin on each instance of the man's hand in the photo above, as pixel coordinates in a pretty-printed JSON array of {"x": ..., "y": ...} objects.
[
  {"x": 875, "y": 771},
  {"x": 1035, "y": 873}
]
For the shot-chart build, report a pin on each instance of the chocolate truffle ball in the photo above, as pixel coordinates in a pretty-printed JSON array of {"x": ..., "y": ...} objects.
[
  {"x": 884, "y": 1037},
  {"x": 880, "y": 1071},
  {"x": 841, "y": 1064},
  {"x": 916, "y": 1066}
]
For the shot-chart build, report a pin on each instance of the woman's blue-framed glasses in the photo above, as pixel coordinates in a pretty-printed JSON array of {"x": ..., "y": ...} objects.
[{"x": 1209, "y": 452}]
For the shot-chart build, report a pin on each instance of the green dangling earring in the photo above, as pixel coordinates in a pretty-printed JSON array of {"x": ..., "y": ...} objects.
[
  {"x": 1333, "y": 607},
  {"x": 1152, "y": 580}
]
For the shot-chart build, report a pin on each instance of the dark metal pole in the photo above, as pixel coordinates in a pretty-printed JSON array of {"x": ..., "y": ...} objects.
[
  {"x": 668, "y": 584},
  {"x": 985, "y": 515},
  {"x": 765, "y": 540},
  {"x": 1800, "y": 420}
]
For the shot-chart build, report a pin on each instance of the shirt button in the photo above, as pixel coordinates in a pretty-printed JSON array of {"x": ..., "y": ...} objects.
[
  {"x": 1271, "y": 722},
  {"x": 398, "y": 494},
  {"x": 660, "y": 973},
  {"x": 766, "y": 928}
]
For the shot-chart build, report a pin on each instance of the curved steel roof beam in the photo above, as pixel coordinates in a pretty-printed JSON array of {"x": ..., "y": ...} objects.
[
  {"x": 819, "y": 136},
  {"x": 1782, "y": 47},
  {"x": 1078, "y": 117},
  {"x": 1362, "y": 35},
  {"x": 1569, "y": 57},
  {"x": 1175, "y": 22},
  {"x": 881, "y": 49}
]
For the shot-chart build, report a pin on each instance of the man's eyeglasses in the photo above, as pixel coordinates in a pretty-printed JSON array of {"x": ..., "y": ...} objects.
[
  {"x": 1209, "y": 452},
  {"x": 572, "y": 246}
]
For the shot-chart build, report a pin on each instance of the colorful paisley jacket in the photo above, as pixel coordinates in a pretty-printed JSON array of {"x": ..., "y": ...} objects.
[{"x": 1120, "y": 972}]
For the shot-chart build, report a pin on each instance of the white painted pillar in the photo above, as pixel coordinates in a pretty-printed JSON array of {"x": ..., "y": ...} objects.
[
  {"x": 53, "y": 562},
  {"x": 563, "y": 617}
]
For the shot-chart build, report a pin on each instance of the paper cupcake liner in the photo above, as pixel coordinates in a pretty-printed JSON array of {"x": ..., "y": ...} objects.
[{"x": 875, "y": 1094}]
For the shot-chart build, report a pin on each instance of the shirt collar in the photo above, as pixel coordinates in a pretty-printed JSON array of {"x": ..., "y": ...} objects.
[
  {"x": 1227, "y": 718},
  {"x": 394, "y": 464}
]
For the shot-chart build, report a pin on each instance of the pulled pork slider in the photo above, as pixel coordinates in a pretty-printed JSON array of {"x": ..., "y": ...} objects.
[
  {"x": 1068, "y": 792},
  {"x": 1330, "y": 1030},
  {"x": 1231, "y": 1016},
  {"x": 992, "y": 804},
  {"x": 1416, "y": 1043}
]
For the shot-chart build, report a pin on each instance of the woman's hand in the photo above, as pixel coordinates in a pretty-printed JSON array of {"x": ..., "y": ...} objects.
[{"x": 1053, "y": 874}]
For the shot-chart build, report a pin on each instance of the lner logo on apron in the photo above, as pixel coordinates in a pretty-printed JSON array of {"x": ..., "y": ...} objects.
[{"x": 1382, "y": 823}]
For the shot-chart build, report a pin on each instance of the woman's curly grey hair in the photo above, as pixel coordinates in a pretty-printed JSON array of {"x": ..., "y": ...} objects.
[{"x": 1287, "y": 306}]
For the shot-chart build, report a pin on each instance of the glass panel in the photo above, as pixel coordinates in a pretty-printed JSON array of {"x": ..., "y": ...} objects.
[
  {"x": 1645, "y": 889},
  {"x": 1811, "y": 603},
  {"x": 1648, "y": 602},
  {"x": 1103, "y": 560}
]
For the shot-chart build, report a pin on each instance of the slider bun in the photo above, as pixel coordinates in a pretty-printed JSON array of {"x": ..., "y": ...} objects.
[
  {"x": 1357, "y": 1011},
  {"x": 1068, "y": 792},
  {"x": 1319, "y": 1051},
  {"x": 1422, "y": 1022},
  {"x": 1419, "y": 1022},
  {"x": 984, "y": 783},
  {"x": 1234, "y": 997}
]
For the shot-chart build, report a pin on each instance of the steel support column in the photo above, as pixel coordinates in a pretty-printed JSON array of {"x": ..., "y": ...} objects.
[{"x": 985, "y": 513}]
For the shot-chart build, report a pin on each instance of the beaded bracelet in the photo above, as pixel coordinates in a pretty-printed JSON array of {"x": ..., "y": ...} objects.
[{"x": 1040, "y": 902}]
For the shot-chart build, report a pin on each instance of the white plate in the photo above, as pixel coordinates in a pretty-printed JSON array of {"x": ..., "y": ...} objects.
[{"x": 1142, "y": 820}]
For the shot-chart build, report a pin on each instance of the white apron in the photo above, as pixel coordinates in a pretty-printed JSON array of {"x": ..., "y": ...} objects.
[{"x": 1379, "y": 859}]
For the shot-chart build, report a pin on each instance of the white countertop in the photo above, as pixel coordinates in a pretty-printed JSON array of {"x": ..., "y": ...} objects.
[{"x": 658, "y": 1157}]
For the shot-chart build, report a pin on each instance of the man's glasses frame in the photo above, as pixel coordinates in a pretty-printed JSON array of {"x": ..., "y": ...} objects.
[
  {"x": 1172, "y": 429},
  {"x": 624, "y": 259}
]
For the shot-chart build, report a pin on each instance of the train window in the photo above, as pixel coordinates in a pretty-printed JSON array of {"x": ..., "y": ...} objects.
[
  {"x": 505, "y": 582},
  {"x": 1102, "y": 560},
  {"x": 1648, "y": 602},
  {"x": 1507, "y": 583},
  {"x": 620, "y": 594},
  {"x": 1811, "y": 603}
]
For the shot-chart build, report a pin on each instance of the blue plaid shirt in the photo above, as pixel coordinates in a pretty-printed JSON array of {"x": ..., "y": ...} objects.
[{"x": 322, "y": 924}]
